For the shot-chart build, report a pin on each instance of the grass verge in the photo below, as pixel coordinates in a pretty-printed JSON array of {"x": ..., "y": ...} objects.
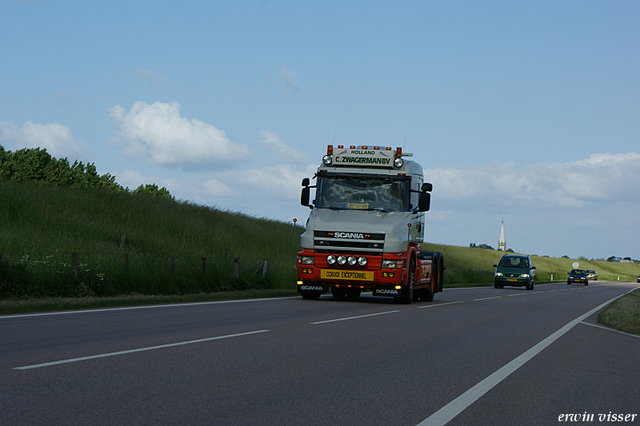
[{"x": 623, "y": 314}]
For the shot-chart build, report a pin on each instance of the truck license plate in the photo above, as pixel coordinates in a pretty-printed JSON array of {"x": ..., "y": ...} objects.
[{"x": 334, "y": 274}]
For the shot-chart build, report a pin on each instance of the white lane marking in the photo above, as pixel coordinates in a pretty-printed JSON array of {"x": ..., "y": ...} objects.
[
  {"x": 455, "y": 407},
  {"x": 517, "y": 294},
  {"x": 130, "y": 308},
  {"x": 356, "y": 317},
  {"x": 487, "y": 298},
  {"x": 610, "y": 329},
  {"x": 435, "y": 305},
  {"x": 131, "y": 351}
]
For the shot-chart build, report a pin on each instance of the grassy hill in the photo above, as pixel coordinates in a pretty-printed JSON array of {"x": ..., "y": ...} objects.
[
  {"x": 133, "y": 243},
  {"x": 467, "y": 265}
]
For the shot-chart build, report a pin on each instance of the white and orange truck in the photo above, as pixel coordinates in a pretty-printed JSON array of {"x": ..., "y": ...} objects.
[{"x": 365, "y": 227}]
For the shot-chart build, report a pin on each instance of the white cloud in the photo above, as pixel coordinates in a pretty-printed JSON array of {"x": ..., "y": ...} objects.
[
  {"x": 281, "y": 179},
  {"x": 157, "y": 80},
  {"x": 159, "y": 133},
  {"x": 273, "y": 142},
  {"x": 214, "y": 188},
  {"x": 288, "y": 80},
  {"x": 54, "y": 137},
  {"x": 601, "y": 177}
]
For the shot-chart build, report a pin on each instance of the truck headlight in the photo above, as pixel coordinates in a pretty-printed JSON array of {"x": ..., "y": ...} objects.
[
  {"x": 398, "y": 162},
  {"x": 326, "y": 160},
  {"x": 351, "y": 260},
  {"x": 331, "y": 259},
  {"x": 306, "y": 260},
  {"x": 342, "y": 259},
  {"x": 391, "y": 263},
  {"x": 362, "y": 261}
]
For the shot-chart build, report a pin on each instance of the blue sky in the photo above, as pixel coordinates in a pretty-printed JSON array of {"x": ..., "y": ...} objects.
[{"x": 524, "y": 109}]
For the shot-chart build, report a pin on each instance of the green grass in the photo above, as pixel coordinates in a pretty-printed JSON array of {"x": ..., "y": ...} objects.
[
  {"x": 467, "y": 266},
  {"x": 135, "y": 244},
  {"x": 37, "y": 248},
  {"x": 623, "y": 314}
]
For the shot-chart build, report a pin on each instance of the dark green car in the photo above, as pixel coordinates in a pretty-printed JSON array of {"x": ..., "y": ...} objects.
[
  {"x": 514, "y": 270},
  {"x": 578, "y": 276}
]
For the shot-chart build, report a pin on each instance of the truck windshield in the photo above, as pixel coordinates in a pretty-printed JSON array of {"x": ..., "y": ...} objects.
[{"x": 363, "y": 193}]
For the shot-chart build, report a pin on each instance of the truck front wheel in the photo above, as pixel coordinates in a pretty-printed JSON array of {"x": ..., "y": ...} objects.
[{"x": 408, "y": 292}]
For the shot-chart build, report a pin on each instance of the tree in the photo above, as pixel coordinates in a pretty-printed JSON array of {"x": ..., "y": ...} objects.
[
  {"x": 38, "y": 165},
  {"x": 152, "y": 190}
]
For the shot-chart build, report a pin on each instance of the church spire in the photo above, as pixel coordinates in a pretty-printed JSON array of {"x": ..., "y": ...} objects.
[{"x": 502, "y": 244}]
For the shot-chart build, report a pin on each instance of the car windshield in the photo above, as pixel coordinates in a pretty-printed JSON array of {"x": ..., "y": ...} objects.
[
  {"x": 578, "y": 272},
  {"x": 514, "y": 262},
  {"x": 363, "y": 193}
]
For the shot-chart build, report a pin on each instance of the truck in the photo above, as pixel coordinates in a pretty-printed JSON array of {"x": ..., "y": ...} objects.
[{"x": 365, "y": 227}]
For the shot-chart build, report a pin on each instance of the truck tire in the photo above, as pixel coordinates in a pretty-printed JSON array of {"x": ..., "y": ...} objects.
[
  {"x": 338, "y": 292},
  {"x": 437, "y": 260},
  {"x": 440, "y": 273},
  {"x": 426, "y": 295},
  {"x": 408, "y": 292},
  {"x": 353, "y": 293}
]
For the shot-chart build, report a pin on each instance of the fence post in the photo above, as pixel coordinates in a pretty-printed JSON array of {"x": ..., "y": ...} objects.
[
  {"x": 236, "y": 267},
  {"x": 265, "y": 267},
  {"x": 172, "y": 266},
  {"x": 74, "y": 263}
]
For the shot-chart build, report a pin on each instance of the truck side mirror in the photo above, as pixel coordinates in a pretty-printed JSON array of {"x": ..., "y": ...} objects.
[
  {"x": 424, "y": 202},
  {"x": 304, "y": 196}
]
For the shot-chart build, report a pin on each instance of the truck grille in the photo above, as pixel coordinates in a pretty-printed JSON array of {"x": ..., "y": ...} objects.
[{"x": 356, "y": 241}]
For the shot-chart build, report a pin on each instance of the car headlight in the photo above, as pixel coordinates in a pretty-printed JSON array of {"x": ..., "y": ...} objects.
[
  {"x": 499, "y": 274},
  {"x": 525, "y": 275},
  {"x": 331, "y": 259}
]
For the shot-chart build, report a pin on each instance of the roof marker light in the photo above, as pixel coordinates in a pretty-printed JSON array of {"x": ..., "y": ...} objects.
[{"x": 329, "y": 149}]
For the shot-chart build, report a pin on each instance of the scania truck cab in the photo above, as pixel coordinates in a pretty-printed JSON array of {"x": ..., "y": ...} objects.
[{"x": 365, "y": 227}]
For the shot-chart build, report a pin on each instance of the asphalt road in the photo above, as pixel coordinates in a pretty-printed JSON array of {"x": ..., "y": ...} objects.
[{"x": 478, "y": 356}]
